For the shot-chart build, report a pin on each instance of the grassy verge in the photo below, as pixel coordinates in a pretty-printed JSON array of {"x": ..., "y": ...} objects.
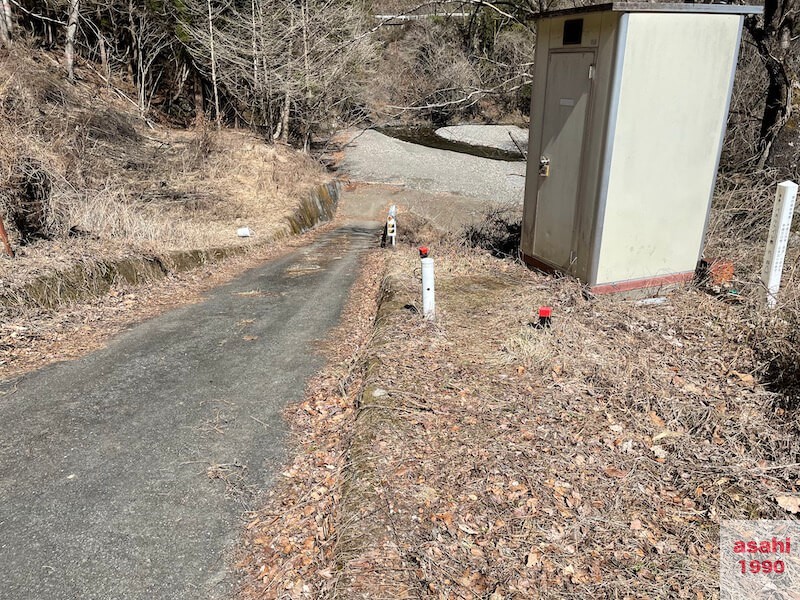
[
  {"x": 479, "y": 457},
  {"x": 593, "y": 459},
  {"x": 292, "y": 545}
]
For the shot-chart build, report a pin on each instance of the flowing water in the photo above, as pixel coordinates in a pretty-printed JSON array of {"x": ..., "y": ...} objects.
[{"x": 426, "y": 136}]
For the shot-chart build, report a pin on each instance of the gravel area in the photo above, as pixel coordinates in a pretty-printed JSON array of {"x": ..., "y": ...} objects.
[
  {"x": 492, "y": 136},
  {"x": 373, "y": 157}
]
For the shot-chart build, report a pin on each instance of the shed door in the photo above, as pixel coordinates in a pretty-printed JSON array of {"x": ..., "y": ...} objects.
[{"x": 566, "y": 105}]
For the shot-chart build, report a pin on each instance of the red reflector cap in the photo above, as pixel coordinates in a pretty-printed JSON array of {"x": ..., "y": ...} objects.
[{"x": 545, "y": 311}]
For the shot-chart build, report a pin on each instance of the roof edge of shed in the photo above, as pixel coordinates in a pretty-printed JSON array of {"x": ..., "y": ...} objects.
[{"x": 657, "y": 7}]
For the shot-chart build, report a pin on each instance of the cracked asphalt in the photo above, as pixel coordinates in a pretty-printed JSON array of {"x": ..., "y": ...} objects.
[{"x": 125, "y": 474}]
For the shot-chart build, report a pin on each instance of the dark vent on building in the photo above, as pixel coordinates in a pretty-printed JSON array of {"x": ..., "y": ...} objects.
[{"x": 573, "y": 32}]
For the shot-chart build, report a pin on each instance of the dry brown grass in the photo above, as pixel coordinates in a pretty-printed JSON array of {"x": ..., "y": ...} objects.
[
  {"x": 738, "y": 231},
  {"x": 126, "y": 186},
  {"x": 595, "y": 459},
  {"x": 485, "y": 458}
]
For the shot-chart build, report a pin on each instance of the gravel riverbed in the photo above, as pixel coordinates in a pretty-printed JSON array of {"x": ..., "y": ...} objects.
[
  {"x": 491, "y": 136},
  {"x": 372, "y": 157}
]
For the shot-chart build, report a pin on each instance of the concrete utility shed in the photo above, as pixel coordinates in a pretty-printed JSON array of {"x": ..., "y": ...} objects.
[{"x": 628, "y": 114}]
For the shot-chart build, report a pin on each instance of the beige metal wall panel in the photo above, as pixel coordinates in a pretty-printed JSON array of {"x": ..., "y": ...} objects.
[
  {"x": 599, "y": 30},
  {"x": 535, "y": 135},
  {"x": 673, "y": 103},
  {"x": 595, "y": 142}
]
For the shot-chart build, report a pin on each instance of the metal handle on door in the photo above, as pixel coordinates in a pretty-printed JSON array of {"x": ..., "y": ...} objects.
[{"x": 544, "y": 166}]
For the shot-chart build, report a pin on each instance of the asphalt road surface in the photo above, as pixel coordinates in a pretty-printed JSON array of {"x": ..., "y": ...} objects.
[{"x": 125, "y": 474}]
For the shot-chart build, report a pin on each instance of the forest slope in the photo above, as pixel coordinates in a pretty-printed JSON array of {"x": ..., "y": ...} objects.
[{"x": 85, "y": 178}]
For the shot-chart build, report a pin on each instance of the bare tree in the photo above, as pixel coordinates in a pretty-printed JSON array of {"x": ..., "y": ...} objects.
[
  {"x": 149, "y": 41},
  {"x": 69, "y": 48},
  {"x": 213, "y": 64},
  {"x": 6, "y": 24},
  {"x": 772, "y": 34}
]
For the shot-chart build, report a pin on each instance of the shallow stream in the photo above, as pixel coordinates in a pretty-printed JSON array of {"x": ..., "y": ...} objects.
[{"x": 426, "y": 136}]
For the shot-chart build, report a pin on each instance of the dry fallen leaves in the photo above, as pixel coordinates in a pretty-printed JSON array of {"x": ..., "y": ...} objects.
[
  {"x": 615, "y": 472},
  {"x": 789, "y": 503},
  {"x": 525, "y": 485}
]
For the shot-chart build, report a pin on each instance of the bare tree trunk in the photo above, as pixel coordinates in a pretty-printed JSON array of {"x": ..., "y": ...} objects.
[
  {"x": 773, "y": 39},
  {"x": 140, "y": 69},
  {"x": 199, "y": 111},
  {"x": 255, "y": 46},
  {"x": 265, "y": 90},
  {"x": 69, "y": 49},
  {"x": 283, "y": 132},
  {"x": 777, "y": 110},
  {"x": 104, "y": 61},
  {"x": 6, "y": 24},
  {"x": 213, "y": 65},
  {"x": 5, "y": 38},
  {"x": 103, "y": 50},
  {"x": 307, "y": 73},
  {"x": 136, "y": 64}
]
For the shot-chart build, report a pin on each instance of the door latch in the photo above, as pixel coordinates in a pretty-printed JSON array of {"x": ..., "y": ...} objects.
[{"x": 544, "y": 167}]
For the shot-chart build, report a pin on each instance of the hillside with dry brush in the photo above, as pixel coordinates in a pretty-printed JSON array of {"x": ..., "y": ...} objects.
[{"x": 83, "y": 177}]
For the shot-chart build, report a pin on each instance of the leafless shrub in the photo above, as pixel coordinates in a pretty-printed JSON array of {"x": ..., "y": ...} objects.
[
  {"x": 29, "y": 205},
  {"x": 110, "y": 125},
  {"x": 425, "y": 68},
  {"x": 740, "y": 150},
  {"x": 739, "y": 225},
  {"x": 499, "y": 230}
]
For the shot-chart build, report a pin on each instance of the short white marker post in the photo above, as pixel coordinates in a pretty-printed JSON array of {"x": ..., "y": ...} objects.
[
  {"x": 391, "y": 229},
  {"x": 428, "y": 291},
  {"x": 778, "y": 238}
]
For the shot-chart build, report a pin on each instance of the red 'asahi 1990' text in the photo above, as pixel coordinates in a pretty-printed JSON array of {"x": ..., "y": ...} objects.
[{"x": 757, "y": 566}]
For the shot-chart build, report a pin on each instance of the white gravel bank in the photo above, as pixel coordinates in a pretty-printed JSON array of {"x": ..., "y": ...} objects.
[
  {"x": 374, "y": 157},
  {"x": 493, "y": 136}
]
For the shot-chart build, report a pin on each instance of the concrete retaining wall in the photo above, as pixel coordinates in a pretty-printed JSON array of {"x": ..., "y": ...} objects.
[{"x": 92, "y": 279}]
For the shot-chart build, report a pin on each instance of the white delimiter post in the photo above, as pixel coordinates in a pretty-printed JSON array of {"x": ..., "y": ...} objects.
[
  {"x": 778, "y": 239},
  {"x": 428, "y": 291}
]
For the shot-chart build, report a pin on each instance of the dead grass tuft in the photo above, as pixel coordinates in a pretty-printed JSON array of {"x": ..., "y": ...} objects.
[
  {"x": 532, "y": 348},
  {"x": 499, "y": 230},
  {"x": 416, "y": 230},
  {"x": 595, "y": 459},
  {"x": 82, "y": 173}
]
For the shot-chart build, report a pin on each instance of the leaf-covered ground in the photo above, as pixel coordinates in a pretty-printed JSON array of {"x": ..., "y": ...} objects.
[{"x": 478, "y": 457}]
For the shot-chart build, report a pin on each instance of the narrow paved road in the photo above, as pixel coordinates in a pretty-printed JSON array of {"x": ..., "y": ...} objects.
[{"x": 125, "y": 474}]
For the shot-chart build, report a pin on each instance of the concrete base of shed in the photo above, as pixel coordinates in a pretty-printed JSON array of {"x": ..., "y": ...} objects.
[{"x": 645, "y": 286}]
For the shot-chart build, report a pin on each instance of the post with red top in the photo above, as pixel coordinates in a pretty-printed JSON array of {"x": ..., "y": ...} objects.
[
  {"x": 545, "y": 314},
  {"x": 428, "y": 291}
]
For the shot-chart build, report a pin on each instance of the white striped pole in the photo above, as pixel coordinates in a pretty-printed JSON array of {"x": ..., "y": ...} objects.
[
  {"x": 428, "y": 291},
  {"x": 778, "y": 238}
]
